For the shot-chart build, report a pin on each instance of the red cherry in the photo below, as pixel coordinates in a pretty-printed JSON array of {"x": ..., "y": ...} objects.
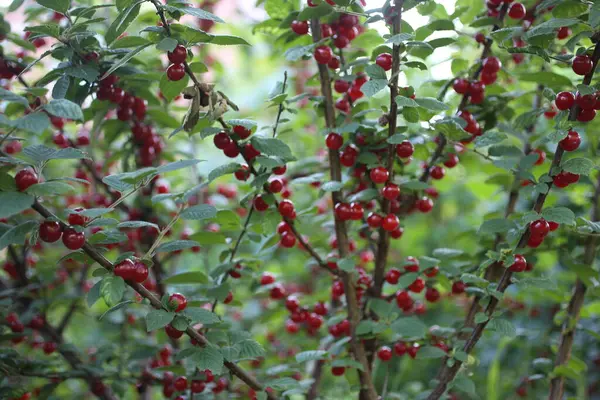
[
  {"x": 586, "y": 102},
  {"x": 277, "y": 292},
  {"x": 541, "y": 156},
  {"x": 553, "y": 225},
  {"x": 25, "y": 178},
  {"x": 403, "y": 300},
  {"x": 451, "y": 160},
  {"x": 586, "y": 115},
  {"x": 564, "y": 100},
  {"x": 582, "y": 65},
  {"x": 519, "y": 264},
  {"x": 384, "y": 60},
  {"x": 198, "y": 386},
  {"x": 539, "y": 228},
  {"x": 384, "y": 353},
  {"x": 432, "y": 295},
  {"x": 417, "y": 286},
  {"x": 461, "y": 86},
  {"x": 291, "y": 327},
  {"x": 400, "y": 348},
  {"x": 260, "y": 204},
  {"x": 480, "y": 38},
  {"x": 424, "y": 204},
  {"x": 180, "y": 383},
  {"x": 267, "y": 278},
  {"x": 392, "y": 276},
  {"x": 320, "y": 308},
  {"x": 49, "y": 347},
  {"x": 341, "y": 41},
  {"x": 334, "y": 63},
  {"x": 390, "y": 222},
  {"x": 405, "y": 149},
  {"x": 488, "y": 78},
  {"x": 292, "y": 303},
  {"x": 379, "y": 175},
  {"x": 141, "y": 272},
  {"x": 286, "y": 209},
  {"x": 323, "y": 54},
  {"x": 13, "y": 147},
  {"x": 343, "y": 211},
  {"x": 242, "y": 131},
  {"x": 390, "y": 191},
  {"x": 412, "y": 264},
  {"x": 76, "y": 218},
  {"x": 334, "y": 141},
  {"x": 458, "y": 287},
  {"x": 300, "y": 27},
  {"x": 517, "y": 11},
  {"x": 243, "y": 173},
  {"x": 338, "y": 371},
  {"x": 72, "y": 239},
  {"x": 315, "y": 321},
  {"x": 178, "y": 302},
  {"x": 490, "y": 64},
  {"x": 343, "y": 105},
  {"x": 50, "y": 231},
  {"x": 280, "y": 170},
  {"x": 571, "y": 142},
  {"x": 222, "y": 140},
  {"x": 374, "y": 220},
  {"x": 288, "y": 240},
  {"x": 175, "y": 72},
  {"x": 341, "y": 86},
  {"x": 437, "y": 172},
  {"x": 356, "y": 211}
]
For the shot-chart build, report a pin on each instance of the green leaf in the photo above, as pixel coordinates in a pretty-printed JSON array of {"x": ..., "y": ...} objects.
[
  {"x": 122, "y": 22},
  {"x": 415, "y": 185},
  {"x": 311, "y": 355},
  {"x": 429, "y": 352},
  {"x": 137, "y": 224},
  {"x": 112, "y": 289},
  {"x": 200, "y": 315},
  {"x": 594, "y": 17},
  {"x": 209, "y": 238},
  {"x": 502, "y": 326},
  {"x": 196, "y": 12},
  {"x": 228, "y": 40},
  {"x": 188, "y": 278},
  {"x": 250, "y": 349},
  {"x": 562, "y": 215},
  {"x": 447, "y": 253},
  {"x": 307, "y": 13},
  {"x": 272, "y": 147},
  {"x": 373, "y": 86},
  {"x": 171, "y": 89},
  {"x": 432, "y": 104},
  {"x": 62, "y": 6},
  {"x": 348, "y": 363},
  {"x": 59, "y": 91},
  {"x": 297, "y": 52},
  {"x": 167, "y": 44},
  {"x": 551, "y": 79},
  {"x": 332, "y": 186},
  {"x": 279, "y": 9},
  {"x": 176, "y": 245},
  {"x": 497, "y": 225},
  {"x": 409, "y": 327},
  {"x": 410, "y": 115},
  {"x": 406, "y": 102},
  {"x": 16, "y": 234},
  {"x": 64, "y": 108},
  {"x": 198, "y": 67},
  {"x": 223, "y": 170},
  {"x": 40, "y": 153},
  {"x": 36, "y": 122},
  {"x": 7, "y": 95},
  {"x": 156, "y": 319},
  {"x": 129, "y": 41},
  {"x": 94, "y": 294},
  {"x": 199, "y": 212},
  {"x": 375, "y": 72},
  {"x": 490, "y": 138},
  {"x": 115, "y": 308},
  {"x": 14, "y": 202},
  {"x": 399, "y": 38},
  {"x": 124, "y": 60},
  {"x": 580, "y": 166},
  {"x": 51, "y": 188},
  {"x": 208, "y": 358},
  {"x": 568, "y": 9}
]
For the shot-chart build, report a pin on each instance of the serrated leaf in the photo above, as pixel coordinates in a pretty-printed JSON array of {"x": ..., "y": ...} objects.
[
  {"x": 200, "y": 315},
  {"x": 199, "y": 212},
  {"x": 122, "y": 22},
  {"x": 502, "y": 326},
  {"x": 187, "y": 278},
  {"x": 137, "y": 224},
  {"x": 64, "y": 108},
  {"x": 156, "y": 319},
  {"x": 208, "y": 358},
  {"x": 409, "y": 327},
  {"x": 429, "y": 352},
  {"x": 311, "y": 355},
  {"x": 497, "y": 225},
  {"x": 562, "y": 215},
  {"x": 17, "y": 234},
  {"x": 223, "y": 170},
  {"x": 176, "y": 245},
  {"x": 112, "y": 289},
  {"x": 579, "y": 166},
  {"x": 14, "y": 202},
  {"x": 51, "y": 188},
  {"x": 430, "y": 103},
  {"x": 272, "y": 147}
]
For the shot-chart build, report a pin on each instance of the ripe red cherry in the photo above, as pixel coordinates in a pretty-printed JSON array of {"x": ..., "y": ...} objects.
[
  {"x": 49, "y": 347},
  {"x": 400, "y": 348},
  {"x": 384, "y": 60},
  {"x": 392, "y": 276},
  {"x": 338, "y": 371},
  {"x": 343, "y": 211},
  {"x": 72, "y": 239},
  {"x": 180, "y": 383},
  {"x": 50, "y": 231},
  {"x": 175, "y": 72},
  {"x": 280, "y": 170},
  {"x": 76, "y": 218},
  {"x": 242, "y": 131},
  {"x": 243, "y": 173},
  {"x": 461, "y": 85},
  {"x": 334, "y": 63},
  {"x": 390, "y": 191},
  {"x": 480, "y": 37},
  {"x": 403, "y": 300},
  {"x": 356, "y": 211},
  {"x": 125, "y": 269},
  {"x": 260, "y": 204},
  {"x": 432, "y": 295},
  {"x": 424, "y": 204},
  {"x": 412, "y": 264},
  {"x": 586, "y": 102},
  {"x": 405, "y": 149},
  {"x": 539, "y": 228},
  {"x": 586, "y": 115},
  {"x": 221, "y": 140},
  {"x": 379, "y": 175},
  {"x": 384, "y": 353},
  {"x": 341, "y": 86},
  {"x": 417, "y": 286},
  {"x": 198, "y": 386},
  {"x": 323, "y": 54},
  {"x": 286, "y": 209},
  {"x": 491, "y": 64},
  {"x": 25, "y": 178},
  {"x": 291, "y": 327},
  {"x": 299, "y": 27},
  {"x": 277, "y": 292},
  {"x": 343, "y": 105},
  {"x": 275, "y": 186},
  {"x": 334, "y": 141},
  {"x": 320, "y": 308},
  {"x": 288, "y": 240},
  {"x": 458, "y": 287},
  {"x": 516, "y": 11},
  {"x": 519, "y": 264},
  {"x": 390, "y": 222},
  {"x": 140, "y": 274},
  {"x": 341, "y": 41},
  {"x": 292, "y": 303},
  {"x": 178, "y": 302},
  {"x": 563, "y": 33},
  {"x": 13, "y": 147},
  {"x": 451, "y": 160},
  {"x": 172, "y": 332},
  {"x": 374, "y": 220},
  {"x": 267, "y": 278},
  {"x": 553, "y": 225},
  {"x": 571, "y": 142},
  {"x": 487, "y": 78},
  {"x": 582, "y": 65},
  {"x": 564, "y": 100},
  {"x": 437, "y": 172},
  {"x": 541, "y": 156}
]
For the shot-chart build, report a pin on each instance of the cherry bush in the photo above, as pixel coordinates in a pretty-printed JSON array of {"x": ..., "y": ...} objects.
[{"x": 371, "y": 227}]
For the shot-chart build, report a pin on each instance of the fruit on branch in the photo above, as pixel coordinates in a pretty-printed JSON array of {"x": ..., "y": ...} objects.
[
  {"x": 571, "y": 142},
  {"x": 172, "y": 332},
  {"x": 50, "y": 231},
  {"x": 175, "y": 72},
  {"x": 379, "y": 175},
  {"x": 72, "y": 239},
  {"x": 323, "y": 54},
  {"x": 384, "y": 60},
  {"x": 519, "y": 264},
  {"x": 177, "y": 302},
  {"x": 516, "y": 11},
  {"x": 384, "y": 353},
  {"x": 178, "y": 55},
  {"x": 25, "y": 178},
  {"x": 582, "y": 65},
  {"x": 334, "y": 141},
  {"x": 564, "y": 100}
]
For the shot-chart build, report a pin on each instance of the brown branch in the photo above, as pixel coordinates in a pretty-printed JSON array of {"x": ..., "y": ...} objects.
[
  {"x": 156, "y": 303},
  {"x": 352, "y": 306},
  {"x": 557, "y": 384},
  {"x": 448, "y": 374}
]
